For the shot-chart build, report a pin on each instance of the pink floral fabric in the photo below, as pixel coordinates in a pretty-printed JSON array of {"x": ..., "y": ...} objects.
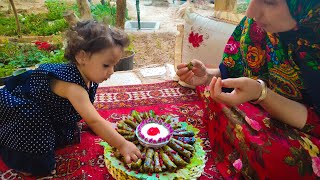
[{"x": 247, "y": 143}]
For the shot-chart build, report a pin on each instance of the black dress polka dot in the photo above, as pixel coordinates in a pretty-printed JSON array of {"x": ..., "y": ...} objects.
[{"x": 34, "y": 121}]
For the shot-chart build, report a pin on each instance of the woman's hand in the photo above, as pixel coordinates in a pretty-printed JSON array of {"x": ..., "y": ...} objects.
[
  {"x": 245, "y": 89},
  {"x": 196, "y": 76},
  {"x": 129, "y": 151}
]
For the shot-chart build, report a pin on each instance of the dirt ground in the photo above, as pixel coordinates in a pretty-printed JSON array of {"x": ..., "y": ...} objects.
[{"x": 151, "y": 47}]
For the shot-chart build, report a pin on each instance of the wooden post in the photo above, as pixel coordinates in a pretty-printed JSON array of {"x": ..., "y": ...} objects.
[
  {"x": 178, "y": 46},
  {"x": 121, "y": 11},
  {"x": 138, "y": 13},
  {"x": 16, "y": 17},
  {"x": 70, "y": 17},
  {"x": 225, "y": 5},
  {"x": 84, "y": 8},
  {"x": 225, "y": 10}
]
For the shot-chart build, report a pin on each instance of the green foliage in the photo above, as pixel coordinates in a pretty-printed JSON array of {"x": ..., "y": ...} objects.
[
  {"x": 53, "y": 27},
  {"x": 26, "y": 56},
  {"x": 242, "y": 8},
  {"x": 56, "y": 8},
  {"x": 56, "y": 56},
  {"x": 6, "y": 70},
  {"x": 131, "y": 46},
  {"x": 14, "y": 56},
  {"x": 100, "y": 11},
  {"x": 53, "y": 22},
  {"x": 42, "y": 24},
  {"x": 20, "y": 56},
  {"x": 7, "y": 25}
]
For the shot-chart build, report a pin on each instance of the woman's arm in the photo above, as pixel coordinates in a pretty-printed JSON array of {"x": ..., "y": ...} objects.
[
  {"x": 212, "y": 72},
  {"x": 285, "y": 110},
  {"x": 246, "y": 89}
]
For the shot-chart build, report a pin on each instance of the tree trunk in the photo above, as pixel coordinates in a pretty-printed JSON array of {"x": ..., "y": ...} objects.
[
  {"x": 84, "y": 8},
  {"x": 70, "y": 17},
  {"x": 121, "y": 12},
  {"x": 224, "y": 5},
  {"x": 16, "y": 17}
]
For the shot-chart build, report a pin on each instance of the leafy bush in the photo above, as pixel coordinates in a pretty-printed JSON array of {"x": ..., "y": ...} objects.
[
  {"x": 14, "y": 56},
  {"x": 7, "y": 25},
  {"x": 56, "y": 8},
  {"x": 6, "y": 70},
  {"x": 100, "y": 11},
  {"x": 19, "y": 56},
  {"x": 56, "y": 56},
  {"x": 42, "y": 24}
]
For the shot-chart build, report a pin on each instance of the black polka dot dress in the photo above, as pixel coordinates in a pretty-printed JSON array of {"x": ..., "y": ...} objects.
[{"x": 34, "y": 121}]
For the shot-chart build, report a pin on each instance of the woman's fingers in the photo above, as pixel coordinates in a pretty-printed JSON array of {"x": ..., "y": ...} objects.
[
  {"x": 196, "y": 63},
  {"x": 217, "y": 88},
  {"x": 182, "y": 71},
  {"x": 231, "y": 83},
  {"x": 182, "y": 65},
  {"x": 217, "y": 94},
  {"x": 185, "y": 76},
  {"x": 212, "y": 84}
]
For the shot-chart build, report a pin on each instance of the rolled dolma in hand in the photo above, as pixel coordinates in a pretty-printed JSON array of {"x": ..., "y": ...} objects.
[{"x": 190, "y": 66}]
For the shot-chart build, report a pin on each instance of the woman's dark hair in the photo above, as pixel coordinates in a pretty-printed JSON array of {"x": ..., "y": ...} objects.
[{"x": 93, "y": 37}]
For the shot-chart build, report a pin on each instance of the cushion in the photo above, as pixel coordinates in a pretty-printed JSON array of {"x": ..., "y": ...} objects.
[{"x": 204, "y": 39}]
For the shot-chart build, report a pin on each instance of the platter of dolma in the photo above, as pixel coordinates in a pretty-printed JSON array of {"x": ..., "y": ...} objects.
[{"x": 181, "y": 158}]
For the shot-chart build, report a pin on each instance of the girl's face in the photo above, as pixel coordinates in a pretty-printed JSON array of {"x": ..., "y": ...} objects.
[
  {"x": 271, "y": 15},
  {"x": 99, "y": 66}
]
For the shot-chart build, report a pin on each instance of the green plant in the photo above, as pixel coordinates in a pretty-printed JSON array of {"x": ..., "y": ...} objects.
[
  {"x": 21, "y": 55},
  {"x": 131, "y": 45},
  {"x": 56, "y": 56},
  {"x": 48, "y": 23},
  {"x": 6, "y": 70},
  {"x": 242, "y": 7},
  {"x": 7, "y": 25},
  {"x": 55, "y": 9},
  {"x": 100, "y": 11}
]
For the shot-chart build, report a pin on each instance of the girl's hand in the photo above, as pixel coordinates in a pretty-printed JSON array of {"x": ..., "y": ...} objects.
[
  {"x": 129, "y": 151},
  {"x": 196, "y": 76},
  {"x": 245, "y": 89}
]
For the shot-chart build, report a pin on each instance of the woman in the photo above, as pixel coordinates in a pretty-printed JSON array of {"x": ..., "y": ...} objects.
[{"x": 264, "y": 103}]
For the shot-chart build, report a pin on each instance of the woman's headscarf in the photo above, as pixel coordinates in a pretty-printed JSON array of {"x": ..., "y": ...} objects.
[{"x": 289, "y": 62}]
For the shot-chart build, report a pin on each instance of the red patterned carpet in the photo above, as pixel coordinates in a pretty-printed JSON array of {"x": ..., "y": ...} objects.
[{"x": 85, "y": 160}]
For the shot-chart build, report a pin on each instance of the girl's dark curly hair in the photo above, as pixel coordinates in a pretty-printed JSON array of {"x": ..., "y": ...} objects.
[{"x": 93, "y": 37}]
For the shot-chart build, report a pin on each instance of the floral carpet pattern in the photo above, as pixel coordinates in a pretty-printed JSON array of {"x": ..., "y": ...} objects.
[{"x": 85, "y": 160}]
